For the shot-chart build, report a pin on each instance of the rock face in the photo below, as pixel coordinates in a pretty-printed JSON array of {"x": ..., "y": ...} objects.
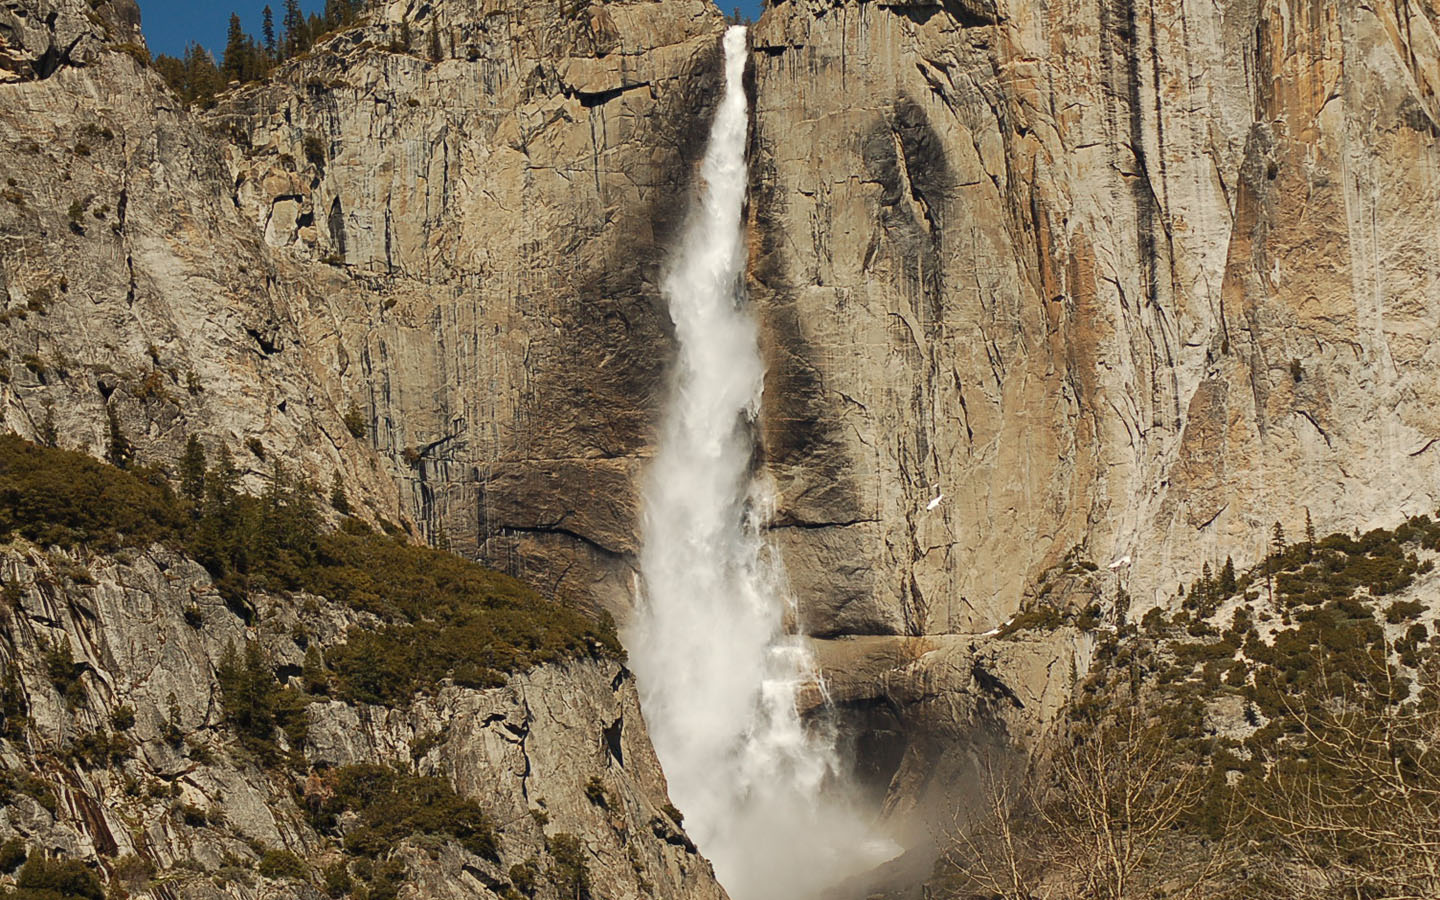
[
  {"x": 147, "y": 632},
  {"x": 461, "y": 239},
  {"x": 1125, "y": 282},
  {"x": 499, "y": 197},
  {"x": 133, "y": 285},
  {"x": 1142, "y": 278},
  {"x": 1129, "y": 280},
  {"x": 464, "y": 250}
]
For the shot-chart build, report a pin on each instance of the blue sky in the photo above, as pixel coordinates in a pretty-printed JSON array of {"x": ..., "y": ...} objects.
[
  {"x": 750, "y": 8},
  {"x": 171, "y": 24}
]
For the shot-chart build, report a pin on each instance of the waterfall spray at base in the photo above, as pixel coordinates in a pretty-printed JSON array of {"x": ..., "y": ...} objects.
[{"x": 718, "y": 671}]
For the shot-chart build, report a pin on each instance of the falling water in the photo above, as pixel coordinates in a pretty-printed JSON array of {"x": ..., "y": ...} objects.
[{"x": 718, "y": 671}]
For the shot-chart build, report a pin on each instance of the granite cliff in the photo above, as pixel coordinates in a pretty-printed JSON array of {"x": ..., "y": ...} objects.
[
  {"x": 154, "y": 290},
  {"x": 499, "y": 217},
  {"x": 1059, "y": 302},
  {"x": 1125, "y": 283}
]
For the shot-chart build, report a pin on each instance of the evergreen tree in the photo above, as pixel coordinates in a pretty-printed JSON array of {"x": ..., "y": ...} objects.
[
  {"x": 290, "y": 526},
  {"x": 118, "y": 450},
  {"x": 314, "y": 28},
  {"x": 173, "y": 71},
  {"x": 312, "y": 672},
  {"x": 1228, "y": 585},
  {"x": 14, "y": 708},
  {"x": 202, "y": 77},
  {"x": 1309, "y": 528},
  {"x": 296, "y": 39},
  {"x": 233, "y": 64},
  {"x": 194, "y": 77},
  {"x": 1277, "y": 539},
  {"x": 222, "y": 484},
  {"x": 49, "y": 434},
  {"x": 244, "y": 60},
  {"x": 267, "y": 31},
  {"x": 338, "y": 500},
  {"x": 192, "y": 474},
  {"x": 219, "y": 540},
  {"x": 248, "y": 688}
]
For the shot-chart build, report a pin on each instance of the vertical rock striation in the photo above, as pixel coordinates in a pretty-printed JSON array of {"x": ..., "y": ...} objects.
[
  {"x": 1126, "y": 280},
  {"x": 1141, "y": 278},
  {"x": 461, "y": 247},
  {"x": 500, "y": 211}
]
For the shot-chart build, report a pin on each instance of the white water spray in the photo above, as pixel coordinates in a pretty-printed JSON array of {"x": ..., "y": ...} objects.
[{"x": 718, "y": 672}]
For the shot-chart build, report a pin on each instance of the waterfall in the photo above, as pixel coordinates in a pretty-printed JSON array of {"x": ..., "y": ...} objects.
[{"x": 718, "y": 670}]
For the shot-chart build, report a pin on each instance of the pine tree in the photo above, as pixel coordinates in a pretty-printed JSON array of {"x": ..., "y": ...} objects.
[
  {"x": 49, "y": 434},
  {"x": 222, "y": 483},
  {"x": 267, "y": 30},
  {"x": 226, "y": 535},
  {"x": 192, "y": 473},
  {"x": 202, "y": 78},
  {"x": 314, "y": 28},
  {"x": 1309, "y": 528},
  {"x": 312, "y": 672},
  {"x": 232, "y": 64},
  {"x": 296, "y": 40},
  {"x": 1277, "y": 539},
  {"x": 338, "y": 500},
  {"x": 221, "y": 517},
  {"x": 118, "y": 450},
  {"x": 289, "y": 527},
  {"x": 173, "y": 71},
  {"x": 1228, "y": 585},
  {"x": 248, "y": 692}
]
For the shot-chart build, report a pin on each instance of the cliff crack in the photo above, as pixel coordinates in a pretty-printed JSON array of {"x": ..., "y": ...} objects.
[
  {"x": 512, "y": 530},
  {"x": 807, "y": 526},
  {"x": 592, "y": 99},
  {"x": 1311, "y": 419}
]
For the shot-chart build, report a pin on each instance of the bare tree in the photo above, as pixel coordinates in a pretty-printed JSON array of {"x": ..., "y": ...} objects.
[
  {"x": 1101, "y": 822},
  {"x": 1358, "y": 808},
  {"x": 1001, "y": 850}
]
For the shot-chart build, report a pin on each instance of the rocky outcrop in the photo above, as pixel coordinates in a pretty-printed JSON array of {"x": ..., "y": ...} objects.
[
  {"x": 122, "y": 653},
  {"x": 459, "y": 237},
  {"x": 37, "y": 40}
]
